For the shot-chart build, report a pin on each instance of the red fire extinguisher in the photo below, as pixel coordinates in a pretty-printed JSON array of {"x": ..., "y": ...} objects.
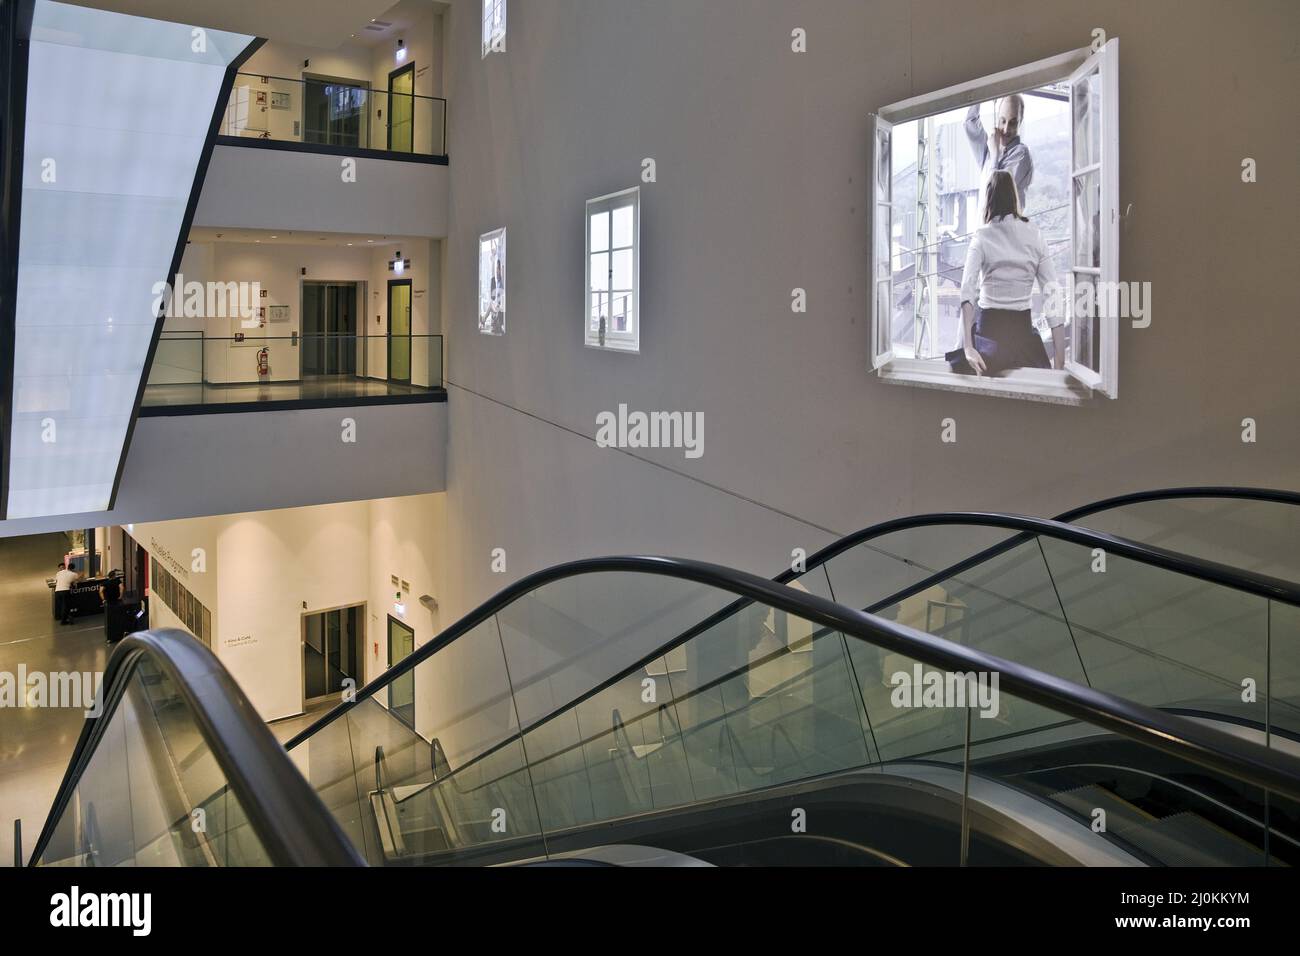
[{"x": 263, "y": 362}]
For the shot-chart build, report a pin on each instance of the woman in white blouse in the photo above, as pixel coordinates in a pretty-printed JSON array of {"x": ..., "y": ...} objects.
[{"x": 1006, "y": 255}]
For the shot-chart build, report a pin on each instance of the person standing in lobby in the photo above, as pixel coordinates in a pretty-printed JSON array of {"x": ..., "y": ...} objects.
[{"x": 64, "y": 578}]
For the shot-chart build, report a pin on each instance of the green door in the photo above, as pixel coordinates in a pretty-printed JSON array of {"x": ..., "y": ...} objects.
[
  {"x": 401, "y": 109},
  {"x": 399, "y": 331},
  {"x": 401, "y": 692}
]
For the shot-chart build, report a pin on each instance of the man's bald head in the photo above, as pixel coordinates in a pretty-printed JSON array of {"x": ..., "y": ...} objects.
[{"x": 1010, "y": 113}]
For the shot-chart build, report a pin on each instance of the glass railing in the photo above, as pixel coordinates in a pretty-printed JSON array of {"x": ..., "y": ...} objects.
[
  {"x": 333, "y": 114},
  {"x": 524, "y": 747},
  {"x": 152, "y": 793},
  {"x": 193, "y": 368},
  {"x": 1087, "y": 614},
  {"x": 174, "y": 768}
]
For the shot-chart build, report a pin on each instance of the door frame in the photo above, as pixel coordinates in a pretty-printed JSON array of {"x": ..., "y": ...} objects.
[
  {"x": 408, "y": 68},
  {"x": 307, "y": 702},
  {"x": 388, "y": 645},
  {"x": 410, "y": 345}
]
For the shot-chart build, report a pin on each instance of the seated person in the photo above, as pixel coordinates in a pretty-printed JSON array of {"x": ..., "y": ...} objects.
[{"x": 1006, "y": 255}]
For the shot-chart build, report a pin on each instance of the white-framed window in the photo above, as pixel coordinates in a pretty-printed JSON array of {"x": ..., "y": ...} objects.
[
  {"x": 928, "y": 178},
  {"x": 494, "y": 26},
  {"x": 492, "y": 282},
  {"x": 613, "y": 303}
]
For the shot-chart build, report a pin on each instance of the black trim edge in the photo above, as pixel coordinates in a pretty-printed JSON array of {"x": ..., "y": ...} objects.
[
  {"x": 325, "y": 149},
  {"x": 17, "y": 30},
  {"x": 435, "y": 396}
]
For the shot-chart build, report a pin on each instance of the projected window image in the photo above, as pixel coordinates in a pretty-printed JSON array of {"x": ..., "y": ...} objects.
[
  {"x": 995, "y": 219},
  {"x": 492, "y": 283}
]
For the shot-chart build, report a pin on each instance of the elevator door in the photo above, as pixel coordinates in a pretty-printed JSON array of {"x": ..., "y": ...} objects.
[
  {"x": 332, "y": 648},
  {"x": 329, "y": 328}
]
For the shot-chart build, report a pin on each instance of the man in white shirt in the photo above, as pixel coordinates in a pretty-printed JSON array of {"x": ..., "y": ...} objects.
[{"x": 64, "y": 579}]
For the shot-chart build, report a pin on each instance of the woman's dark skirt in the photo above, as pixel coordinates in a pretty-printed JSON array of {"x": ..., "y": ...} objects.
[{"x": 1005, "y": 339}]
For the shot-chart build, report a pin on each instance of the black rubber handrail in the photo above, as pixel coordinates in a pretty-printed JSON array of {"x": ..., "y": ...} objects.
[
  {"x": 1181, "y": 738},
  {"x": 1191, "y": 566},
  {"x": 850, "y": 541},
  {"x": 878, "y": 530},
  {"x": 284, "y": 811}
]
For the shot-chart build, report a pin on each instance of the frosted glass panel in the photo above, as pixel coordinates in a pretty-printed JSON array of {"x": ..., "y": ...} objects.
[
  {"x": 623, "y": 232},
  {"x": 600, "y": 271},
  {"x": 600, "y": 232},
  {"x": 118, "y": 110},
  {"x": 623, "y": 269}
]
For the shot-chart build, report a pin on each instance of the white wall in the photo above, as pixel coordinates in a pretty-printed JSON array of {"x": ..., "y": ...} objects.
[
  {"x": 266, "y": 570},
  {"x": 273, "y": 189},
  {"x": 274, "y": 568},
  {"x": 174, "y": 543},
  {"x": 762, "y": 159},
  {"x": 406, "y": 540}
]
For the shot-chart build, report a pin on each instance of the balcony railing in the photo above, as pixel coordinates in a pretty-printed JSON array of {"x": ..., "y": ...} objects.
[
  {"x": 190, "y": 368},
  {"x": 335, "y": 115}
]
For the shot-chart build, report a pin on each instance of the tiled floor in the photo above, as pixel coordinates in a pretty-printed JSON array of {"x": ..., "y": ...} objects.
[
  {"x": 310, "y": 389},
  {"x": 36, "y": 743}
]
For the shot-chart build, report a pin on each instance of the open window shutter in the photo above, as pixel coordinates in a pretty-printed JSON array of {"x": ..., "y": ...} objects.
[
  {"x": 1094, "y": 220},
  {"x": 882, "y": 228}
]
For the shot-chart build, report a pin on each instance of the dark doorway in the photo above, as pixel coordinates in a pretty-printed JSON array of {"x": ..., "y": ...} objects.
[
  {"x": 401, "y": 109},
  {"x": 399, "y": 331},
  {"x": 134, "y": 562},
  {"x": 329, "y": 328},
  {"x": 332, "y": 647}
]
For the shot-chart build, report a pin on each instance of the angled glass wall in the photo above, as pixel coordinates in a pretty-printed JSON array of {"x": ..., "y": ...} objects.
[{"x": 118, "y": 113}]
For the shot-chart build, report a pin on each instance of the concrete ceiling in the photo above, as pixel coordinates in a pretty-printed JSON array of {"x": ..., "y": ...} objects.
[{"x": 323, "y": 24}]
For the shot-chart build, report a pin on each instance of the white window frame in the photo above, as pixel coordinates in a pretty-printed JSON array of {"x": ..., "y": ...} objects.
[
  {"x": 1075, "y": 384},
  {"x": 493, "y": 42},
  {"x": 630, "y": 341}
]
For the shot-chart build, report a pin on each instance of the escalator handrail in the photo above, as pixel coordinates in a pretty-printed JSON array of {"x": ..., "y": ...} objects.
[
  {"x": 284, "y": 811},
  {"x": 1181, "y": 738},
  {"x": 852, "y": 540},
  {"x": 1260, "y": 585},
  {"x": 888, "y": 527}
]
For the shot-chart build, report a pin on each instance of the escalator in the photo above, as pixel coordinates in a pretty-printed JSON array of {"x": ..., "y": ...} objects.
[{"x": 714, "y": 716}]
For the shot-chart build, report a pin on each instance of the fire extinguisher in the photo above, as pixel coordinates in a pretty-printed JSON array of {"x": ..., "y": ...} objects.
[{"x": 263, "y": 362}]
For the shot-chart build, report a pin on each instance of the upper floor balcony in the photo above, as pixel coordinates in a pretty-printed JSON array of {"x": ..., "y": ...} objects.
[{"x": 319, "y": 114}]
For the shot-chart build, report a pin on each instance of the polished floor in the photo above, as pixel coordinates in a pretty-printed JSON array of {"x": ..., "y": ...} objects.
[
  {"x": 321, "y": 388},
  {"x": 37, "y": 742}
]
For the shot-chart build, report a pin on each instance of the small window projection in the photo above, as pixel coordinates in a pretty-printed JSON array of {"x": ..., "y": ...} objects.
[
  {"x": 613, "y": 316},
  {"x": 492, "y": 283},
  {"x": 494, "y": 26}
]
